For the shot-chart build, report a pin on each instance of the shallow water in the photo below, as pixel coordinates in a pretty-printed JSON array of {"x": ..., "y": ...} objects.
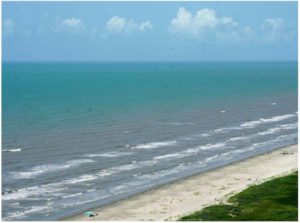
[{"x": 79, "y": 135}]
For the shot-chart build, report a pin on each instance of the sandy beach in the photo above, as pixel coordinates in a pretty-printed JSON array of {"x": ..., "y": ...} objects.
[{"x": 186, "y": 196}]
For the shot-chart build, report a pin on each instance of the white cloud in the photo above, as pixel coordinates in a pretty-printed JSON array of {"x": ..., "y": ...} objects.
[
  {"x": 73, "y": 23},
  {"x": 204, "y": 19},
  {"x": 145, "y": 25},
  {"x": 8, "y": 26},
  {"x": 119, "y": 24},
  {"x": 274, "y": 30},
  {"x": 116, "y": 23}
]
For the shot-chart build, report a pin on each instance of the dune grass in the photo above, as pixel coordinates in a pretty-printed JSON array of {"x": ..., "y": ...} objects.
[{"x": 274, "y": 200}]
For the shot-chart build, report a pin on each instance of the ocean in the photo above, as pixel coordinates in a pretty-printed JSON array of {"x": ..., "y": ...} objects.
[{"x": 81, "y": 135}]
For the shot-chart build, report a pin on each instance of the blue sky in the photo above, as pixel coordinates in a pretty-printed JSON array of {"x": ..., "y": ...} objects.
[{"x": 149, "y": 31}]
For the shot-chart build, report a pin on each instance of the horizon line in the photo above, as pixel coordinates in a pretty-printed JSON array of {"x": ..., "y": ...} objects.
[{"x": 140, "y": 61}]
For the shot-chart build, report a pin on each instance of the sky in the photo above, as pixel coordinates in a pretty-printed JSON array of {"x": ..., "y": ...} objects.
[{"x": 149, "y": 31}]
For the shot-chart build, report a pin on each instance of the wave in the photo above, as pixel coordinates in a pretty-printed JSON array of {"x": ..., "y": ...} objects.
[
  {"x": 211, "y": 146},
  {"x": 73, "y": 195},
  {"x": 253, "y": 124},
  {"x": 170, "y": 156},
  {"x": 211, "y": 158},
  {"x": 47, "y": 168},
  {"x": 20, "y": 214},
  {"x": 12, "y": 150},
  {"x": 250, "y": 124},
  {"x": 154, "y": 145},
  {"x": 223, "y": 145},
  {"x": 205, "y": 134},
  {"x": 279, "y": 128},
  {"x": 126, "y": 167},
  {"x": 233, "y": 139},
  {"x": 46, "y": 189},
  {"x": 137, "y": 165},
  {"x": 109, "y": 155},
  {"x": 161, "y": 173},
  {"x": 29, "y": 192}
]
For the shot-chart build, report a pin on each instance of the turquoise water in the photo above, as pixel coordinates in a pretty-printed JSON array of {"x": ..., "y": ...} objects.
[{"x": 71, "y": 122}]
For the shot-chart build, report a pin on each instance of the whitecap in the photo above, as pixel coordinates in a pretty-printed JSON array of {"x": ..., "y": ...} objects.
[
  {"x": 252, "y": 124},
  {"x": 219, "y": 130},
  {"x": 19, "y": 214},
  {"x": 72, "y": 195},
  {"x": 154, "y": 145},
  {"x": 110, "y": 155},
  {"x": 12, "y": 150},
  {"x": 30, "y": 191},
  {"x": 171, "y": 156},
  {"x": 47, "y": 168},
  {"x": 212, "y": 146},
  {"x": 209, "y": 159},
  {"x": 205, "y": 134},
  {"x": 47, "y": 189},
  {"x": 279, "y": 128},
  {"x": 233, "y": 139},
  {"x": 118, "y": 169}
]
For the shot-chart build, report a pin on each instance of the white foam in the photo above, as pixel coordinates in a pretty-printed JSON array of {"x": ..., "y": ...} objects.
[
  {"x": 252, "y": 124},
  {"x": 48, "y": 168},
  {"x": 219, "y": 130},
  {"x": 279, "y": 128},
  {"x": 20, "y": 214},
  {"x": 154, "y": 145},
  {"x": 162, "y": 173},
  {"x": 12, "y": 150},
  {"x": 212, "y": 146},
  {"x": 30, "y": 191},
  {"x": 205, "y": 134},
  {"x": 72, "y": 195},
  {"x": 110, "y": 155},
  {"x": 189, "y": 152},
  {"x": 171, "y": 156},
  {"x": 209, "y": 159},
  {"x": 237, "y": 138},
  {"x": 47, "y": 189},
  {"x": 80, "y": 179},
  {"x": 126, "y": 167}
]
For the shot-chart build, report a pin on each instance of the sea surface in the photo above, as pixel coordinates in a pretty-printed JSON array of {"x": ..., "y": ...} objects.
[{"x": 80, "y": 135}]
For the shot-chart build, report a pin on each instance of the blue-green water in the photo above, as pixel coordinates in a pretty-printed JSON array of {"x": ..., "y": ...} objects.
[{"x": 78, "y": 135}]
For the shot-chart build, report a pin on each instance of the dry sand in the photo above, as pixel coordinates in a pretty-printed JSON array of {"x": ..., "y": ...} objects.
[{"x": 186, "y": 196}]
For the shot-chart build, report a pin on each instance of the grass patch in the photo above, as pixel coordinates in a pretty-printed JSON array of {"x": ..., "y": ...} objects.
[{"x": 274, "y": 200}]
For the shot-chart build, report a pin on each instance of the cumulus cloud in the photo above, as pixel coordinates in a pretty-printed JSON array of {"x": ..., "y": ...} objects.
[
  {"x": 145, "y": 25},
  {"x": 274, "y": 29},
  {"x": 8, "y": 26},
  {"x": 73, "y": 23},
  {"x": 203, "y": 20},
  {"x": 119, "y": 24}
]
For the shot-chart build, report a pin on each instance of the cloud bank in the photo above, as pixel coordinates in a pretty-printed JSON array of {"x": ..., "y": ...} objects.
[{"x": 204, "y": 25}]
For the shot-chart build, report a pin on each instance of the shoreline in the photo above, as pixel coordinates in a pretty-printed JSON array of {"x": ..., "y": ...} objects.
[{"x": 185, "y": 196}]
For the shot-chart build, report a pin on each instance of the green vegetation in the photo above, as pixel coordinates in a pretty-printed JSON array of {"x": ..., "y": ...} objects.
[{"x": 274, "y": 200}]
